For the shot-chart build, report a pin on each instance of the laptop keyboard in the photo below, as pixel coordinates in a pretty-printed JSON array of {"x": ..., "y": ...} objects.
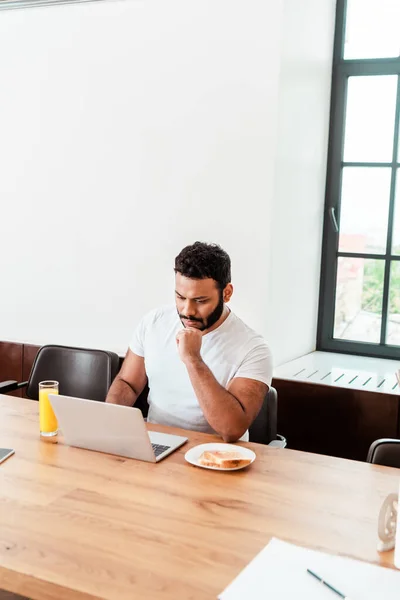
[{"x": 159, "y": 449}]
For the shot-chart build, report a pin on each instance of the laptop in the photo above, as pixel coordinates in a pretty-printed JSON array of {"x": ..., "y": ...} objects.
[{"x": 111, "y": 428}]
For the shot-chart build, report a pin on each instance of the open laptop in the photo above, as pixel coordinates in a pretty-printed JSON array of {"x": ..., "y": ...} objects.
[{"x": 111, "y": 428}]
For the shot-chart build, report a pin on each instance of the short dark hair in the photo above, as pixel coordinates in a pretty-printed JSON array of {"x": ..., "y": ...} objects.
[{"x": 203, "y": 261}]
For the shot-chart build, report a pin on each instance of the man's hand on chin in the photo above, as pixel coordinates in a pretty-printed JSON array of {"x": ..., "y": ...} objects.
[{"x": 189, "y": 341}]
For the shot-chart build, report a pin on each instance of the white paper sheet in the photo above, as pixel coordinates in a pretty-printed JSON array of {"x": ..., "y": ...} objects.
[{"x": 279, "y": 571}]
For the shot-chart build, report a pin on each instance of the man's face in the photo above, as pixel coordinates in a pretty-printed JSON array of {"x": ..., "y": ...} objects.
[{"x": 199, "y": 302}]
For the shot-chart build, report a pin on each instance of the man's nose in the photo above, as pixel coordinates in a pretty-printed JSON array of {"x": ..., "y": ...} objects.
[{"x": 189, "y": 308}]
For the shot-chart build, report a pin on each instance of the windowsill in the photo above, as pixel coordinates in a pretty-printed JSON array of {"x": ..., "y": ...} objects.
[{"x": 344, "y": 371}]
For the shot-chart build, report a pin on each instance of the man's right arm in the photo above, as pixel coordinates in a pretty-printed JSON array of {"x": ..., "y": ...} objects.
[{"x": 130, "y": 381}]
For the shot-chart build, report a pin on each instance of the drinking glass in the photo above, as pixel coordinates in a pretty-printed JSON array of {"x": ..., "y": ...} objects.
[{"x": 47, "y": 418}]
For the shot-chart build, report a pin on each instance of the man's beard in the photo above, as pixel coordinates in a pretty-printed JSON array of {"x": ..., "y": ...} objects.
[{"x": 212, "y": 317}]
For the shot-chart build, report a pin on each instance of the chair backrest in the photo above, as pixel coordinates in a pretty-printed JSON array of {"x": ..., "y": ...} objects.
[
  {"x": 385, "y": 452},
  {"x": 264, "y": 427},
  {"x": 81, "y": 372},
  {"x": 141, "y": 401}
]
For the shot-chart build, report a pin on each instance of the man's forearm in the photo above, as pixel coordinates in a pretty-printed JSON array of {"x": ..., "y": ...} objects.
[
  {"x": 222, "y": 410},
  {"x": 121, "y": 392}
]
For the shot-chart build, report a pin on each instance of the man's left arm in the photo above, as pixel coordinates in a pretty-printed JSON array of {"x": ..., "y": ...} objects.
[{"x": 230, "y": 411}]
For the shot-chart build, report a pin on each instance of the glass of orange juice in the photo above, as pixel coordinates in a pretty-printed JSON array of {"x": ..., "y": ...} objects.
[{"x": 47, "y": 418}]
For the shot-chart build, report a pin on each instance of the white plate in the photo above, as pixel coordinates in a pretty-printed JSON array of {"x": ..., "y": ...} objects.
[{"x": 192, "y": 456}]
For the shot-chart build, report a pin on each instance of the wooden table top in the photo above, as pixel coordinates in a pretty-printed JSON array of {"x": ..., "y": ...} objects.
[{"x": 80, "y": 525}]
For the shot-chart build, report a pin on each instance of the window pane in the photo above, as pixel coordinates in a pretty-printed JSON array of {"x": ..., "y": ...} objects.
[
  {"x": 359, "y": 290},
  {"x": 370, "y": 114},
  {"x": 393, "y": 326},
  {"x": 396, "y": 222},
  {"x": 372, "y": 29},
  {"x": 364, "y": 209}
]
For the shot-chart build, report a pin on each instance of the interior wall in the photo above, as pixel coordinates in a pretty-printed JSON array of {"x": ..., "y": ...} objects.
[
  {"x": 300, "y": 172},
  {"x": 131, "y": 128}
]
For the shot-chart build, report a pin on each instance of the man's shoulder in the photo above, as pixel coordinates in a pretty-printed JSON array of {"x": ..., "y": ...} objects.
[
  {"x": 239, "y": 328},
  {"x": 238, "y": 325}
]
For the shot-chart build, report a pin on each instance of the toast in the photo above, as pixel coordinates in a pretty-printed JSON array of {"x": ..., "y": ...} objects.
[{"x": 223, "y": 459}]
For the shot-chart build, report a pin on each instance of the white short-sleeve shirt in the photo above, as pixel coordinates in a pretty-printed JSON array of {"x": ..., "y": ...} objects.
[{"x": 231, "y": 350}]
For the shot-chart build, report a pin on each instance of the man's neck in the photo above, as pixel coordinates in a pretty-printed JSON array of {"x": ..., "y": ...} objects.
[{"x": 223, "y": 317}]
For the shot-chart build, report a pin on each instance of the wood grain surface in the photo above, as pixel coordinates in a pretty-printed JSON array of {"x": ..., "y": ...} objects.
[{"x": 76, "y": 524}]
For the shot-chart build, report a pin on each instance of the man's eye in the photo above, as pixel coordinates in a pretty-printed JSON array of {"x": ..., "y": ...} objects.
[{"x": 201, "y": 301}]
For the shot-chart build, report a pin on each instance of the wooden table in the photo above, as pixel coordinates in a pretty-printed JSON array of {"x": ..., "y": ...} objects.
[{"x": 81, "y": 525}]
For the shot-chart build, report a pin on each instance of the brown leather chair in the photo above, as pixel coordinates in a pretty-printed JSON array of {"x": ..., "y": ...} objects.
[
  {"x": 385, "y": 452},
  {"x": 81, "y": 372},
  {"x": 263, "y": 430}
]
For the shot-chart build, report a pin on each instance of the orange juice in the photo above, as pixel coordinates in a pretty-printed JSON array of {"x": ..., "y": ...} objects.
[{"x": 47, "y": 418}]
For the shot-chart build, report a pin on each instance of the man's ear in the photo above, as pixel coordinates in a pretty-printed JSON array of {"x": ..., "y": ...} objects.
[{"x": 227, "y": 293}]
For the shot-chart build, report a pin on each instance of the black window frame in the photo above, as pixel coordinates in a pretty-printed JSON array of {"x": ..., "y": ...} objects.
[{"x": 341, "y": 70}]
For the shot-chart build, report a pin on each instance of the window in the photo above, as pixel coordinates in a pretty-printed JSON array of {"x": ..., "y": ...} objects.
[{"x": 359, "y": 310}]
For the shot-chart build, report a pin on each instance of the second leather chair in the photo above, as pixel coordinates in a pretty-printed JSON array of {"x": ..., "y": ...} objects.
[{"x": 81, "y": 372}]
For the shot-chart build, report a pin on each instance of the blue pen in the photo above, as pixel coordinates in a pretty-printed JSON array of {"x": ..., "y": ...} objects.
[{"x": 328, "y": 585}]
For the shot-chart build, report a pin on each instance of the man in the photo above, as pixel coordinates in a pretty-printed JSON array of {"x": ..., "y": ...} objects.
[{"x": 206, "y": 369}]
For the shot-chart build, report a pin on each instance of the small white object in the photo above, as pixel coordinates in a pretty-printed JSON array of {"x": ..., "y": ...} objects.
[
  {"x": 192, "y": 456},
  {"x": 397, "y": 547},
  {"x": 387, "y": 522}
]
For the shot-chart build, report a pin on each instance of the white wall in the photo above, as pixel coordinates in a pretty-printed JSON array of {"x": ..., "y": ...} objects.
[
  {"x": 131, "y": 128},
  {"x": 300, "y": 172}
]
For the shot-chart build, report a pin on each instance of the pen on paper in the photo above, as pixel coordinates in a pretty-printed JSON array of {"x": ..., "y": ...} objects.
[{"x": 328, "y": 585}]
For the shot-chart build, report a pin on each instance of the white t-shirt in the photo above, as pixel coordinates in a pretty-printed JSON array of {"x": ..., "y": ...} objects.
[{"x": 231, "y": 350}]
